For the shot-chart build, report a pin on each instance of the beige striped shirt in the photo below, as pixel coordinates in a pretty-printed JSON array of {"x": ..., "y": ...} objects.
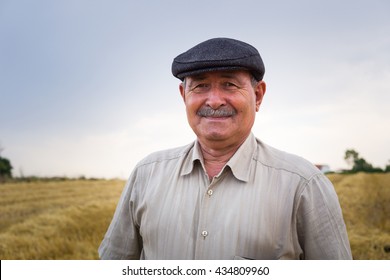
[{"x": 264, "y": 204}]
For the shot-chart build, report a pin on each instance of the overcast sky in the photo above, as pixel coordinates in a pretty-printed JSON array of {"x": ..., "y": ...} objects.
[{"x": 86, "y": 86}]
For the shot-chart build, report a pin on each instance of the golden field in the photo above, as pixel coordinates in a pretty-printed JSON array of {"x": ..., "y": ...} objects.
[
  {"x": 67, "y": 219},
  {"x": 365, "y": 201},
  {"x": 55, "y": 220}
]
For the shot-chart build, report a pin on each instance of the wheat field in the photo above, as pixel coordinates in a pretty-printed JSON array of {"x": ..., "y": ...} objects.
[
  {"x": 55, "y": 220},
  {"x": 68, "y": 219},
  {"x": 365, "y": 201}
]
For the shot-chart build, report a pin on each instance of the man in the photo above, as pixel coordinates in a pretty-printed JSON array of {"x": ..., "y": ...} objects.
[{"x": 227, "y": 195}]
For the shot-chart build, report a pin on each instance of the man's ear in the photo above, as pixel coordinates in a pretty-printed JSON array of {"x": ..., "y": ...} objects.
[
  {"x": 182, "y": 91},
  {"x": 260, "y": 92}
]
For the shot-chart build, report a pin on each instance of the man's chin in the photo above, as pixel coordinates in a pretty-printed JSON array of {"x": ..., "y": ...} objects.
[{"x": 216, "y": 136}]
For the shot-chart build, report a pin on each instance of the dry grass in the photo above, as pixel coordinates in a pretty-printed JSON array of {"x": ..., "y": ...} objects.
[
  {"x": 365, "y": 200},
  {"x": 67, "y": 220},
  {"x": 55, "y": 220}
]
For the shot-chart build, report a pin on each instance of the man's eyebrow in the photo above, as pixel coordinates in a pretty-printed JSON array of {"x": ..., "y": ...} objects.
[
  {"x": 195, "y": 79},
  {"x": 231, "y": 76}
]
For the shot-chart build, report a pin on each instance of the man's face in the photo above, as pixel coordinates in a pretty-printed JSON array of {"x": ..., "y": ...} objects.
[{"x": 221, "y": 105}]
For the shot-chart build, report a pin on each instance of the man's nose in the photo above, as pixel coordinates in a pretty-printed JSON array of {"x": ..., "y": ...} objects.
[{"x": 215, "y": 98}]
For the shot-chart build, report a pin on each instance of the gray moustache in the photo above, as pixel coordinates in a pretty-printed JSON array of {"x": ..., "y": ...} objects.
[{"x": 221, "y": 112}]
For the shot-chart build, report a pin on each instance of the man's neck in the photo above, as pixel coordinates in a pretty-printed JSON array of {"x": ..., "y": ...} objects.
[{"x": 215, "y": 158}]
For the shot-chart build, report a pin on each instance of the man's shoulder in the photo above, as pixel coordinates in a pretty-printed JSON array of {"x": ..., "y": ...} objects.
[
  {"x": 166, "y": 155},
  {"x": 281, "y": 160}
]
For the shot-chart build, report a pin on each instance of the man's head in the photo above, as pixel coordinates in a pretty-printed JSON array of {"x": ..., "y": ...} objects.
[{"x": 222, "y": 89}]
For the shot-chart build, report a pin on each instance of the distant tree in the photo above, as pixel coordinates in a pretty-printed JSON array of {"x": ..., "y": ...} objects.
[
  {"x": 5, "y": 169},
  {"x": 359, "y": 164},
  {"x": 362, "y": 165},
  {"x": 350, "y": 157},
  {"x": 387, "y": 168}
]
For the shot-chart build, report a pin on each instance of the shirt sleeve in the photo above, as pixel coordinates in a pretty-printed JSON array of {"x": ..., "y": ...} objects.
[
  {"x": 122, "y": 239},
  {"x": 321, "y": 229}
]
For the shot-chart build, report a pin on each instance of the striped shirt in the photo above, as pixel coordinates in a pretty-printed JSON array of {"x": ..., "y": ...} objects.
[{"x": 264, "y": 204}]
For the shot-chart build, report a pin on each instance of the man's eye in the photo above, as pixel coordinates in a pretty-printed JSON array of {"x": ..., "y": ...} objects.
[
  {"x": 230, "y": 85},
  {"x": 200, "y": 87}
]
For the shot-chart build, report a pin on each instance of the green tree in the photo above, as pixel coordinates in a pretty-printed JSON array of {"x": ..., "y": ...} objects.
[
  {"x": 5, "y": 169},
  {"x": 350, "y": 157},
  {"x": 387, "y": 168},
  {"x": 362, "y": 165},
  {"x": 359, "y": 164}
]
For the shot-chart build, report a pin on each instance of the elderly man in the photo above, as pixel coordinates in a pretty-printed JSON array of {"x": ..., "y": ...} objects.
[{"x": 227, "y": 195}]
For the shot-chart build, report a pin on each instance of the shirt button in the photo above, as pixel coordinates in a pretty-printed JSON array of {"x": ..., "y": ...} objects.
[
  {"x": 204, "y": 233},
  {"x": 210, "y": 192}
]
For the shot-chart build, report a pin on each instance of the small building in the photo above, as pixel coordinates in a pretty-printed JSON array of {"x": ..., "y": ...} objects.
[{"x": 323, "y": 167}]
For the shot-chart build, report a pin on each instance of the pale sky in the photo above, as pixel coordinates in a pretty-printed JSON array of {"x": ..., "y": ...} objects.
[{"x": 86, "y": 86}]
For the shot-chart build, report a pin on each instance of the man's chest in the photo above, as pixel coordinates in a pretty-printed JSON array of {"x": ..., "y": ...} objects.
[{"x": 191, "y": 218}]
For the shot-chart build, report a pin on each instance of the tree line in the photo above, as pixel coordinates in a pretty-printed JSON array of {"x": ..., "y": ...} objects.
[{"x": 357, "y": 163}]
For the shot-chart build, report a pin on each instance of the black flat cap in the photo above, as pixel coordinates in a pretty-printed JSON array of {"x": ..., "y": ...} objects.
[{"x": 218, "y": 54}]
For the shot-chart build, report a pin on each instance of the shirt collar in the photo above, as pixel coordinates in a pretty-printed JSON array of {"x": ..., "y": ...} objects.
[
  {"x": 239, "y": 163},
  {"x": 194, "y": 155}
]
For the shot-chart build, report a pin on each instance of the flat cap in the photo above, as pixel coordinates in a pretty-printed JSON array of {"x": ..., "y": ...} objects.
[{"x": 218, "y": 54}]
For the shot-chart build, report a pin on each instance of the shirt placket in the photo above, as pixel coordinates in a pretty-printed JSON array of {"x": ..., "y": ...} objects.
[{"x": 205, "y": 230}]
